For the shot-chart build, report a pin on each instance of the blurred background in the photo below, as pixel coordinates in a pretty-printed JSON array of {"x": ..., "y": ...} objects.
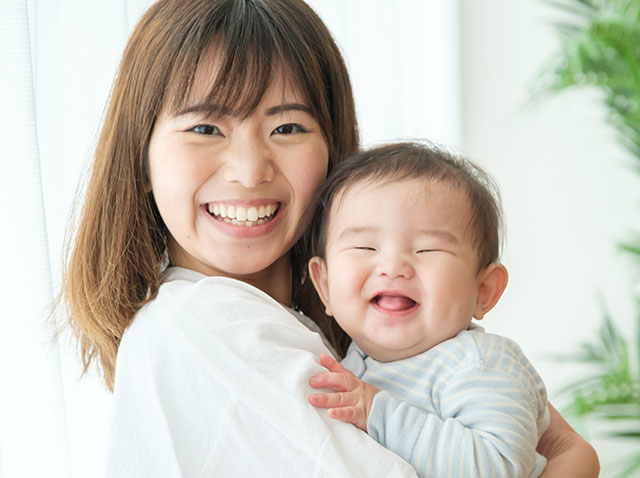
[{"x": 462, "y": 73}]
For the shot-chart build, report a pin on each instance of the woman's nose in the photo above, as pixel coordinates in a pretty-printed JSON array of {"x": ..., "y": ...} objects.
[
  {"x": 248, "y": 162},
  {"x": 395, "y": 266}
]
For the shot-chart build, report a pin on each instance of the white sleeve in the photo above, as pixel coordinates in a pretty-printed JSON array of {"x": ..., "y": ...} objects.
[{"x": 211, "y": 379}]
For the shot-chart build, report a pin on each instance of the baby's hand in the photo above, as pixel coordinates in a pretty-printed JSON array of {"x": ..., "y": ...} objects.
[{"x": 353, "y": 399}]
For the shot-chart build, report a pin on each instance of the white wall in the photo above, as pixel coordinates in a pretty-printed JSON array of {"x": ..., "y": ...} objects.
[{"x": 568, "y": 191}]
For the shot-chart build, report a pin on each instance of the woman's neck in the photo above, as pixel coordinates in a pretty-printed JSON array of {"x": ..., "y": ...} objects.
[{"x": 274, "y": 280}]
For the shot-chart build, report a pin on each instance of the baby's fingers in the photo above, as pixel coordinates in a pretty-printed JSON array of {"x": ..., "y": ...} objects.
[
  {"x": 330, "y": 400},
  {"x": 342, "y": 382},
  {"x": 353, "y": 415},
  {"x": 331, "y": 364}
]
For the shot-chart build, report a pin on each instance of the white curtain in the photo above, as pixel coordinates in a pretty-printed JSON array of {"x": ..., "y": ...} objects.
[
  {"x": 58, "y": 58},
  {"x": 32, "y": 431}
]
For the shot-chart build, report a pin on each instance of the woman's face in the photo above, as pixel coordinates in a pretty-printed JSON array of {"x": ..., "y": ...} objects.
[{"x": 233, "y": 193}]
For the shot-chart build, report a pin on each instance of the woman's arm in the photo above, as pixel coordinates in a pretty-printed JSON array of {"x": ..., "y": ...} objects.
[
  {"x": 568, "y": 454},
  {"x": 212, "y": 380}
]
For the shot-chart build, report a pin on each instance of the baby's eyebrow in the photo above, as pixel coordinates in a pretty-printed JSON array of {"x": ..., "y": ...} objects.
[
  {"x": 356, "y": 230},
  {"x": 444, "y": 235}
]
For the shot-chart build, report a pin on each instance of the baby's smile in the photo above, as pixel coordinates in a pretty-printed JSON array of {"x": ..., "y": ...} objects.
[{"x": 393, "y": 302}]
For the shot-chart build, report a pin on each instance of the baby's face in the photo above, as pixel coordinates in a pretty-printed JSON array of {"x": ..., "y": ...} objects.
[{"x": 401, "y": 269}]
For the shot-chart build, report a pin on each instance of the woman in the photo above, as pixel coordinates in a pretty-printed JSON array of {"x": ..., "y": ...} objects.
[{"x": 224, "y": 119}]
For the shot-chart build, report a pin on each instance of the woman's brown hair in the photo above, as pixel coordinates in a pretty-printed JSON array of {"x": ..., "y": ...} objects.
[{"x": 117, "y": 253}]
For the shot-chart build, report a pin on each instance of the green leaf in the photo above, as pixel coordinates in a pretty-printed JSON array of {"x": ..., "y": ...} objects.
[
  {"x": 600, "y": 48},
  {"x": 631, "y": 466}
]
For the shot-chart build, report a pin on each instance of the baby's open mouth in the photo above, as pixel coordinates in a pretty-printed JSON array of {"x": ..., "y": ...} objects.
[
  {"x": 243, "y": 216},
  {"x": 393, "y": 302}
]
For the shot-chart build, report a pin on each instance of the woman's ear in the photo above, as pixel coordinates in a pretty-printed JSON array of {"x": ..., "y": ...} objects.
[
  {"x": 492, "y": 281},
  {"x": 318, "y": 274}
]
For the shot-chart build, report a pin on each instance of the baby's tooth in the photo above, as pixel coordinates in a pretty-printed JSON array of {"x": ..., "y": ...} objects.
[
  {"x": 241, "y": 213},
  {"x": 252, "y": 214}
]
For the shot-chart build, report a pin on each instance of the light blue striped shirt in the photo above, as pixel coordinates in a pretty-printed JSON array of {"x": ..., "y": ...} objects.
[{"x": 472, "y": 406}]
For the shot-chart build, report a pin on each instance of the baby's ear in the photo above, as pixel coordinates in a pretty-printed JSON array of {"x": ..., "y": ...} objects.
[
  {"x": 492, "y": 281},
  {"x": 318, "y": 274}
]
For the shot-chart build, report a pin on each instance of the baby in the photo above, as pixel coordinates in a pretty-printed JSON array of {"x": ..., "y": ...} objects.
[{"x": 406, "y": 246}]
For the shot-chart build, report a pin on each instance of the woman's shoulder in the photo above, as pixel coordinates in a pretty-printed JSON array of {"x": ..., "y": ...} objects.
[
  {"x": 179, "y": 283},
  {"x": 186, "y": 295},
  {"x": 205, "y": 312}
]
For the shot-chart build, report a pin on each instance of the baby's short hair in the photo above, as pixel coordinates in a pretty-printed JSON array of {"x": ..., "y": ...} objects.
[{"x": 413, "y": 160}]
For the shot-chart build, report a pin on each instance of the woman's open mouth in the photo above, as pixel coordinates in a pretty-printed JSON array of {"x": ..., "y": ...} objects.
[{"x": 242, "y": 215}]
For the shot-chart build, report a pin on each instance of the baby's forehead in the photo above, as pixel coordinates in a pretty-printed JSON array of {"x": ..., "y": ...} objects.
[
  {"x": 413, "y": 189},
  {"x": 409, "y": 202}
]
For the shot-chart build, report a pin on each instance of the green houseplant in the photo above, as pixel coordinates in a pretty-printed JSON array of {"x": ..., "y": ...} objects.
[{"x": 601, "y": 49}]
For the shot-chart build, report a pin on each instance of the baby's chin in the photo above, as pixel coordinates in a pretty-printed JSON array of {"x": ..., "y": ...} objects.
[{"x": 392, "y": 352}]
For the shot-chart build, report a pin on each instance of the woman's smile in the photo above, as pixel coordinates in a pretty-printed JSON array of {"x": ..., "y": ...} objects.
[
  {"x": 240, "y": 215},
  {"x": 247, "y": 220}
]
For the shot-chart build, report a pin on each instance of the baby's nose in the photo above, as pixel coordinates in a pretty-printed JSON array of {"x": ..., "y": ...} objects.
[{"x": 394, "y": 266}]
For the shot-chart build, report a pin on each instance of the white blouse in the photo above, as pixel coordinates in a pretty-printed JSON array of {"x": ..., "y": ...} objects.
[{"x": 211, "y": 380}]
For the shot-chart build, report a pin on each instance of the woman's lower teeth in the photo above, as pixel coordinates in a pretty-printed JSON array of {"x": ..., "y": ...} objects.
[{"x": 235, "y": 222}]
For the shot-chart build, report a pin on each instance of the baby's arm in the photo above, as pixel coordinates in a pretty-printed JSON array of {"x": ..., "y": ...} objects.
[
  {"x": 354, "y": 397},
  {"x": 489, "y": 429}
]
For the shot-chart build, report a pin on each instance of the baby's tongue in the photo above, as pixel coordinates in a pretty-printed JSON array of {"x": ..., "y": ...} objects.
[{"x": 394, "y": 302}]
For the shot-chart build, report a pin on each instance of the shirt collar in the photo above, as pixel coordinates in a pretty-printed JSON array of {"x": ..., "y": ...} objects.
[{"x": 354, "y": 360}]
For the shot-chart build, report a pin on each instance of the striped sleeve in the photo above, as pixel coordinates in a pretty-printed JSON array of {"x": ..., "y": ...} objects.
[{"x": 487, "y": 425}]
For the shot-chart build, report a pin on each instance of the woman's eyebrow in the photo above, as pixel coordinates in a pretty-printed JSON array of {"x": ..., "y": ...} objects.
[
  {"x": 289, "y": 107},
  {"x": 217, "y": 110},
  {"x": 207, "y": 108}
]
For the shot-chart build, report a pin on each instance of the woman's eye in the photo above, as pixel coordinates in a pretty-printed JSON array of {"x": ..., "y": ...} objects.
[
  {"x": 205, "y": 129},
  {"x": 364, "y": 248},
  {"x": 425, "y": 250},
  {"x": 289, "y": 128}
]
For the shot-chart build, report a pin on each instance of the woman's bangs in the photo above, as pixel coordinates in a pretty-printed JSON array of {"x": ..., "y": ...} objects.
[{"x": 234, "y": 67}]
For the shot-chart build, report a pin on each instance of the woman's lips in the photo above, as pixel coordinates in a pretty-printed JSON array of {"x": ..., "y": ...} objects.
[{"x": 269, "y": 214}]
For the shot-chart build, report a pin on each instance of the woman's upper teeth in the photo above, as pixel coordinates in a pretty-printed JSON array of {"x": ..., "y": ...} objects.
[{"x": 242, "y": 213}]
